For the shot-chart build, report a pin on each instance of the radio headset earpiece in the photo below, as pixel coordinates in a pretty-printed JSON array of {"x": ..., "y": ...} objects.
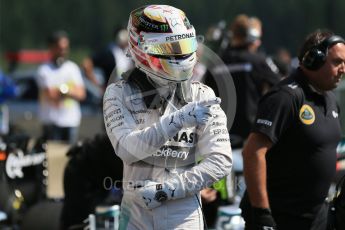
[
  {"x": 253, "y": 33},
  {"x": 315, "y": 57}
]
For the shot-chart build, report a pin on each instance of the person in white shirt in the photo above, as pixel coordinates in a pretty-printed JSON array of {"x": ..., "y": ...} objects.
[{"x": 61, "y": 88}]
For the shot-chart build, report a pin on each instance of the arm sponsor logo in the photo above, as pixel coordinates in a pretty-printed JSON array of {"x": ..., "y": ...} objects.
[
  {"x": 115, "y": 126},
  {"x": 264, "y": 122},
  {"x": 118, "y": 118},
  {"x": 220, "y": 131},
  {"x": 141, "y": 111},
  {"x": 112, "y": 113},
  {"x": 216, "y": 123},
  {"x": 223, "y": 140}
]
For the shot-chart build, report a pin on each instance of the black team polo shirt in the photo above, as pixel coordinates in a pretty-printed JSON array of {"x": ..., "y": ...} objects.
[{"x": 305, "y": 130}]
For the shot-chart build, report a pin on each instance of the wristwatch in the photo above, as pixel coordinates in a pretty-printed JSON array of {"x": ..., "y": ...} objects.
[
  {"x": 161, "y": 196},
  {"x": 64, "y": 89}
]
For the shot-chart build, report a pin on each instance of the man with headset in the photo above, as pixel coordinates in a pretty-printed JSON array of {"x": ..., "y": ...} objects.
[
  {"x": 253, "y": 73},
  {"x": 289, "y": 159}
]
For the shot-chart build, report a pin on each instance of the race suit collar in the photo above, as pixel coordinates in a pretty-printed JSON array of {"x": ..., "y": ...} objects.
[
  {"x": 151, "y": 99},
  {"x": 151, "y": 96}
]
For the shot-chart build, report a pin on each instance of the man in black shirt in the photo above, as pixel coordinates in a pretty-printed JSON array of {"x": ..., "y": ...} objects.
[
  {"x": 290, "y": 156},
  {"x": 251, "y": 71}
]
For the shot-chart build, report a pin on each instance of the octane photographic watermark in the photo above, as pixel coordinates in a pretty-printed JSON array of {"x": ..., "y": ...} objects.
[{"x": 236, "y": 185}]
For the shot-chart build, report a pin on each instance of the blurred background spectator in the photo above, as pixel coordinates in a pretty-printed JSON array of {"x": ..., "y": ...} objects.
[
  {"x": 111, "y": 60},
  {"x": 283, "y": 60},
  {"x": 61, "y": 88},
  {"x": 7, "y": 90},
  {"x": 252, "y": 72}
]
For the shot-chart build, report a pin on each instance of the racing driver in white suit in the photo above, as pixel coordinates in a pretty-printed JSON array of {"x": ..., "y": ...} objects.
[{"x": 170, "y": 133}]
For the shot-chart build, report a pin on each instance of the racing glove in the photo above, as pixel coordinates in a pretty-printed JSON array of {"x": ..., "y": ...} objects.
[
  {"x": 151, "y": 194},
  {"x": 190, "y": 115},
  {"x": 263, "y": 219}
]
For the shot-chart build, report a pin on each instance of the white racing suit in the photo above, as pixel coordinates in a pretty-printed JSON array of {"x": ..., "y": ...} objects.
[{"x": 136, "y": 135}]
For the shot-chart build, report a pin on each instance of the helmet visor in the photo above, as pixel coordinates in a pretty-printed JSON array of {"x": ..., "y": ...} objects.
[{"x": 180, "y": 47}]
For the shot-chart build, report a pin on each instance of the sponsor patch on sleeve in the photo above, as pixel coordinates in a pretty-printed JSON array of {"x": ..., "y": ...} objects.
[{"x": 264, "y": 122}]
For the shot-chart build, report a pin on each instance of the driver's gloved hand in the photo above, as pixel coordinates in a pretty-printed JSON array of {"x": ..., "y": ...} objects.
[
  {"x": 151, "y": 194},
  {"x": 190, "y": 115}
]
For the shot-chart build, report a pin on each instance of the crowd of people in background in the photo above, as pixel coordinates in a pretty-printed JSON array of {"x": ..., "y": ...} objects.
[{"x": 229, "y": 41}]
